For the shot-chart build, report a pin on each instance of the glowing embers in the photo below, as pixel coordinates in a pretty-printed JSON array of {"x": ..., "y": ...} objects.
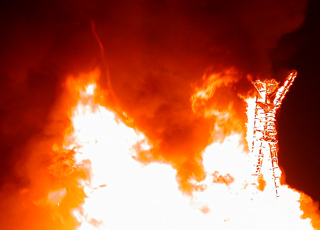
[{"x": 264, "y": 142}]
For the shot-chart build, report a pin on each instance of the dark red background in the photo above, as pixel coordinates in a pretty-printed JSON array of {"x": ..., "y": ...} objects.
[{"x": 155, "y": 51}]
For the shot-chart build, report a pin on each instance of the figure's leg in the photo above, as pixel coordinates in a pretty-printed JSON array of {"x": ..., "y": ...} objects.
[{"x": 275, "y": 167}]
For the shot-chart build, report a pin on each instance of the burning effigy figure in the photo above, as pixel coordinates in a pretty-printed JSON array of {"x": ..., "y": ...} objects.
[{"x": 264, "y": 144}]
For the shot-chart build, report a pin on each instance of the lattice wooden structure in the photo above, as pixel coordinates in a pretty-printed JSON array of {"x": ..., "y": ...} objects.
[{"x": 264, "y": 144}]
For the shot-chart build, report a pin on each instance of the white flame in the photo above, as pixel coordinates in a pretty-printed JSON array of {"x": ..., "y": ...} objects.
[{"x": 123, "y": 194}]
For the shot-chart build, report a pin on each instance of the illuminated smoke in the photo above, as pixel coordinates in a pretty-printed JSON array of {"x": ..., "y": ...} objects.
[{"x": 157, "y": 54}]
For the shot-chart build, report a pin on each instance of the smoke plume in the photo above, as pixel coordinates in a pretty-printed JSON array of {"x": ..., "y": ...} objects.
[{"x": 156, "y": 53}]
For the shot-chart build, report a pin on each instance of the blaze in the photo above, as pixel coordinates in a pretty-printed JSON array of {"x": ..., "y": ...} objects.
[{"x": 120, "y": 192}]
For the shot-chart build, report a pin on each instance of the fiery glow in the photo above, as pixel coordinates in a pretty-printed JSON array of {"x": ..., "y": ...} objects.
[
  {"x": 122, "y": 193},
  {"x": 204, "y": 93}
]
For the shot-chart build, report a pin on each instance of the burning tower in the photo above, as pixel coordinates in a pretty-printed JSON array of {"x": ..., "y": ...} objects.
[{"x": 264, "y": 144}]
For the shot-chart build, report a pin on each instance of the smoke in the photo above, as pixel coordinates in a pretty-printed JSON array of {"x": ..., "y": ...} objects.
[
  {"x": 165, "y": 48},
  {"x": 156, "y": 55}
]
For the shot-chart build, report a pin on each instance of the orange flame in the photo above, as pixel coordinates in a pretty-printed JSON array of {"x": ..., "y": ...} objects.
[{"x": 122, "y": 193}]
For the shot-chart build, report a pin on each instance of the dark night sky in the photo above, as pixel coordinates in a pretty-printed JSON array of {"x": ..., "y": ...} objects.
[
  {"x": 150, "y": 47},
  {"x": 299, "y": 124}
]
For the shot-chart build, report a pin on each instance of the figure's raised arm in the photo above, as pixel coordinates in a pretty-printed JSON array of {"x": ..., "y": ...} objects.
[{"x": 282, "y": 91}]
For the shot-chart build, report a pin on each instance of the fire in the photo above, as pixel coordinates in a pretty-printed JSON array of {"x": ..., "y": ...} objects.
[{"x": 121, "y": 192}]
